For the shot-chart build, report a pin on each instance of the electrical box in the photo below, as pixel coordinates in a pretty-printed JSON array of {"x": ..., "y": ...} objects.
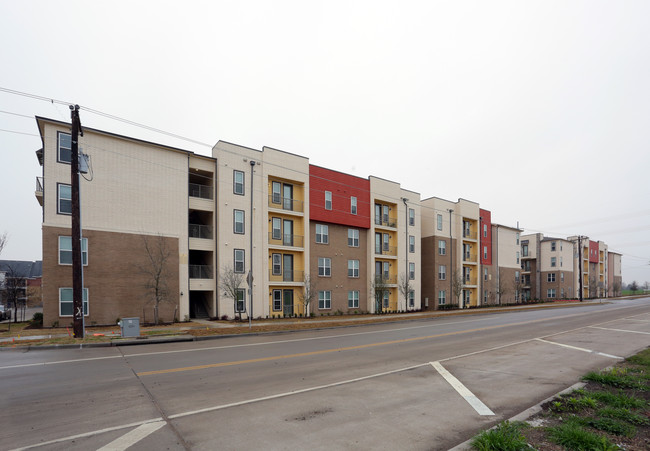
[{"x": 130, "y": 327}]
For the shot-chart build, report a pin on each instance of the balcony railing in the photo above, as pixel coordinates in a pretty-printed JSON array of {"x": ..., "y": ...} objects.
[
  {"x": 202, "y": 191},
  {"x": 385, "y": 280},
  {"x": 200, "y": 271},
  {"x": 286, "y": 240},
  {"x": 39, "y": 185},
  {"x": 285, "y": 203},
  {"x": 386, "y": 222},
  {"x": 200, "y": 231},
  {"x": 386, "y": 250},
  {"x": 286, "y": 276},
  {"x": 469, "y": 257},
  {"x": 469, "y": 234}
]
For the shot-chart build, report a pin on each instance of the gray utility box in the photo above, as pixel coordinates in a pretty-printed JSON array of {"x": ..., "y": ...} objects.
[{"x": 130, "y": 327}]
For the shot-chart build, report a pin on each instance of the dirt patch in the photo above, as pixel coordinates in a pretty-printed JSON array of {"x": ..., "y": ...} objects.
[{"x": 313, "y": 414}]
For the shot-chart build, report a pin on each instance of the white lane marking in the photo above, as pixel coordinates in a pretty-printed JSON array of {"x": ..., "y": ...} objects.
[
  {"x": 89, "y": 434},
  {"x": 463, "y": 391},
  {"x": 590, "y": 351},
  {"x": 621, "y": 330},
  {"x": 295, "y": 392},
  {"x": 89, "y": 359},
  {"x": 131, "y": 438}
]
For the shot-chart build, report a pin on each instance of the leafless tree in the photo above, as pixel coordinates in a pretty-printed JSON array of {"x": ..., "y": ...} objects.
[
  {"x": 156, "y": 269},
  {"x": 502, "y": 289},
  {"x": 308, "y": 294},
  {"x": 405, "y": 289},
  {"x": 230, "y": 282},
  {"x": 3, "y": 241},
  {"x": 517, "y": 286},
  {"x": 457, "y": 284},
  {"x": 14, "y": 286},
  {"x": 593, "y": 287},
  {"x": 616, "y": 288},
  {"x": 378, "y": 287}
]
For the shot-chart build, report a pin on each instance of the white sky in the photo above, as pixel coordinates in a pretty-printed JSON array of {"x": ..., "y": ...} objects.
[{"x": 538, "y": 110}]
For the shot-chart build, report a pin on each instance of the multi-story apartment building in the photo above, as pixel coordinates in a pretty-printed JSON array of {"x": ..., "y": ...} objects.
[
  {"x": 501, "y": 272},
  {"x": 614, "y": 275}
]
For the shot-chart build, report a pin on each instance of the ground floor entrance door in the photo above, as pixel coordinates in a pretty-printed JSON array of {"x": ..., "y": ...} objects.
[{"x": 287, "y": 302}]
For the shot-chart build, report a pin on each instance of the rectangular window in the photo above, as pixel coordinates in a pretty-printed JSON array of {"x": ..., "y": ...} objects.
[
  {"x": 64, "y": 199},
  {"x": 517, "y": 239},
  {"x": 377, "y": 213},
  {"x": 353, "y": 268},
  {"x": 325, "y": 299},
  {"x": 550, "y": 293},
  {"x": 485, "y": 275},
  {"x": 411, "y": 217},
  {"x": 324, "y": 267},
  {"x": 238, "y": 182},
  {"x": 550, "y": 277},
  {"x": 353, "y": 205},
  {"x": 277, "y": 300},
  {"x": 411, "y": 244},
  {"x": 562, "y": 292},
  {"x": 384, "y": 215},
  {"x": 239, "y": 260},
  {"x": 386, "y": 301},
  {"x": 412, "y": 271},
  {"x": 516, "y": 276},
  {"x": 524, "y": 248},
  {"x": 353, "y": 237},
  {"x": 442, "y": 272},
  {"x": 65, "y": 250},
  {"x": 276, "y": 190},
  {"x": 562, "y": 276},
  {"x": 411, "y": 298},
  {"x": 553, "y": 246},
  {"x": 442, "y": 297},
  {"x": 64, "y": 151},
  {"x": 485, "y": 252},
  {"x": 560, "y": 262},
  {"x": 517, "y": 257},
  {"x": 439, "y": 219},
  {"x": 276, "y": 226},
  {"x": 238, "y": 221},
  {"x": 442, "y": 247},
  {"x": 328, "y": 200},
  {"x": 66, "y": 302},
  {"x": 386, "y": 241},
  {"x": 277, "y": 264},
  {"x": 485, "y": 230},
  {"x": 240, "y": 300},
  {"x": 485, "y": 296},
  {"x": 353, "y": 299},
  {"x": 322, "y": 234},
  {"x": 553, "y": 262}
]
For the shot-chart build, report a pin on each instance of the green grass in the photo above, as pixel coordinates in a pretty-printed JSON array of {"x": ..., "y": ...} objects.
[
  {"x": 618, "y": 400},
  {"x": 618, "y": 378},
  {"x": 623, "y": 414},
  {"x": 573, "y": 436},
  {"x": 505, "y": 436},
  {"x": 641, "y": 359},
  {"x": 612, "y": 426}
]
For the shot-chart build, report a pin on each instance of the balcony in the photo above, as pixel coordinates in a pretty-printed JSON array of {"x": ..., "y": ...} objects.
[
  {"x": 286, "y": 276},
  {"x": 39, "y": 190},
  {"x": 385, "y": 280},
  {"x": 386, "y": 250},
  {"x": 201, "y": 271},
  {"x": 285, "y": 203},
  {"x": 200, "y": 191},
  {"x": 469, "y": 280},
  {"x": 386, "y": 221},
  {"x": 469, "y": 234},
  {"x": 200, "y": 231},
  {"x": 286, "y": 240},
  {"x": 470, "y": 257}
]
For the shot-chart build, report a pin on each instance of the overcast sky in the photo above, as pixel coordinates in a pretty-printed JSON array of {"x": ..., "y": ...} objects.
[{"x": 537, "y": 110}]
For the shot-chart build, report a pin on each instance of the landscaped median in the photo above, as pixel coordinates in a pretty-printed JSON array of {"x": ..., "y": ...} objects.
[{"x": 611, "y": 412}]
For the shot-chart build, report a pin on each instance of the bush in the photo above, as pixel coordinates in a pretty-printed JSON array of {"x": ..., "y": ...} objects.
[
  {"x": 224, "y": 317},
  {"x": 37, "y": 319},
  {"x": 505, "y": 436}
]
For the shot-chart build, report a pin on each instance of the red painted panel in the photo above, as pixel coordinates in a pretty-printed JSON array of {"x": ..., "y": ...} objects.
[
  {"x": 343, "y": 187},
  {"x": 593, "y": 251},
  {"x": 486, "y": 236}
]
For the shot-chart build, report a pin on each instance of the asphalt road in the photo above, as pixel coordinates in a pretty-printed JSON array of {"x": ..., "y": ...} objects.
[{"x": 422, "y": 384}]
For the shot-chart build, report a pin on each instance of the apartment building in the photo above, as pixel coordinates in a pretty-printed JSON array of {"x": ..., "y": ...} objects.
[
  {"x": 502, "y": 270},
  {"x": 614, "y": 275}
]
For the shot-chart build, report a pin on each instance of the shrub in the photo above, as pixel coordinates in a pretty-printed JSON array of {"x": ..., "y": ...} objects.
[
  {"x": 37, "y": 319},
  {"x": 505, "y": 436},
  {"x": 224, "y": 317},
  {"x": 573, "y": 436}
]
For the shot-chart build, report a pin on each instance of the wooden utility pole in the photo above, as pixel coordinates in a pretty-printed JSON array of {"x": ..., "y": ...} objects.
[
  {"x": 580, "y": 265},
  {"x": 77, "y": 280}
]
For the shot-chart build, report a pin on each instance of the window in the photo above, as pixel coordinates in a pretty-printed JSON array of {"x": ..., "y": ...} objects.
[
  {"x": 64, "y": 199},
  {"x": 386, "y": 300},
  {"x": 412, "y": 298},
  {"x": 239, "y": 261},
  {"x": 524, "y": 249},
  {"x": 553, "y": 262},
  {"x": 517, "y": 257},
  {"x": 562, "y": 276},
  {"x": 411, "y": 271},
  {"x": 276, "y": 264},
  {"x": 550, "y": 277},
  {"x": 353, "y": 205},
  {"x": 325, "y": 299},
  {"x": 516, "y": 276},
  {"x": 277, "y": 300},
  {"x": 324, "y": 267},
  {"x": 442, "y": 297},
  {"x": 439, "y": 219},
  {"x": 553, "y": 246},
  {"x": 485, "y": 296},
  {"x": 65, "y": 250},
  {"x": 485, "y": 252},
  {"x": 240, "y": 302},
  {"x": 353, "y": 299},
  {"x": 485, "y": 274},
  {"x": 442, "y": 247},
  {"x": 276, "y": 189},
  {"x": 353, "y": 268},
  {"x": 442, "y": 272},
  {"x": 322, "y": 234},
  {"x": 276, "y": 234},
  {"x": 66, "y": 302},
  {"x": 353, "y": 237},
  {"x": 64, "y": 151},
  {"x": 386, "y": 241},
  {"x": 411, "y": 217},
  {"x": 238, "y": 182},
  {"x": 562, "y": 292},
  {"x": 485, "y": 230},
  {"x": 238, "y": 220},
  {"x": 328, "y": 200},
  {"x": 411, "y": 244},
  {"x": 560, "y": 262},
  {"x": 550, "y": 293},
  {"x": 517, "y": 239}
]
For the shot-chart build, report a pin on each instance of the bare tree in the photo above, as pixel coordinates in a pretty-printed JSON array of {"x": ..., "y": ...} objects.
[
  {"x": 308, "y": 294},
  {"x": 502, "y": 289},
  {"x": 230, "y": 282},
  {"x": 616, "y": 288},
  {"x": 3, "y": 241},
  {"x": 405, "y": 289},
  {"x": 156, "y": 269},
  {"x": 378, "y": 288},
  {"x": 593, "y": 287},
  {"x": 517, "y": 286},
  {"x": 634, "y": 287},
  {"x": 14, "y": 286},
  {"x": 457, "y": 284}
]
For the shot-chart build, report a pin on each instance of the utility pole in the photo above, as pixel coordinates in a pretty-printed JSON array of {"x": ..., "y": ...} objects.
[
  {"x": 250, "y": 273},
  {"x": 580, "y": 264},
  {"x": 451, "y": 258},
  {"x": 77, "y": 278},
  {"x": 408, "y": 273}
]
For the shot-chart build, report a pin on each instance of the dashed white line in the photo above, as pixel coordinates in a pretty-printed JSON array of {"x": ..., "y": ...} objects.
[
  {"x": 590, "y": 351},
  {"x": 463, "y": 391},
  {"x": 131, "y": 438},
  {"x": 621, "y": 330}
]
